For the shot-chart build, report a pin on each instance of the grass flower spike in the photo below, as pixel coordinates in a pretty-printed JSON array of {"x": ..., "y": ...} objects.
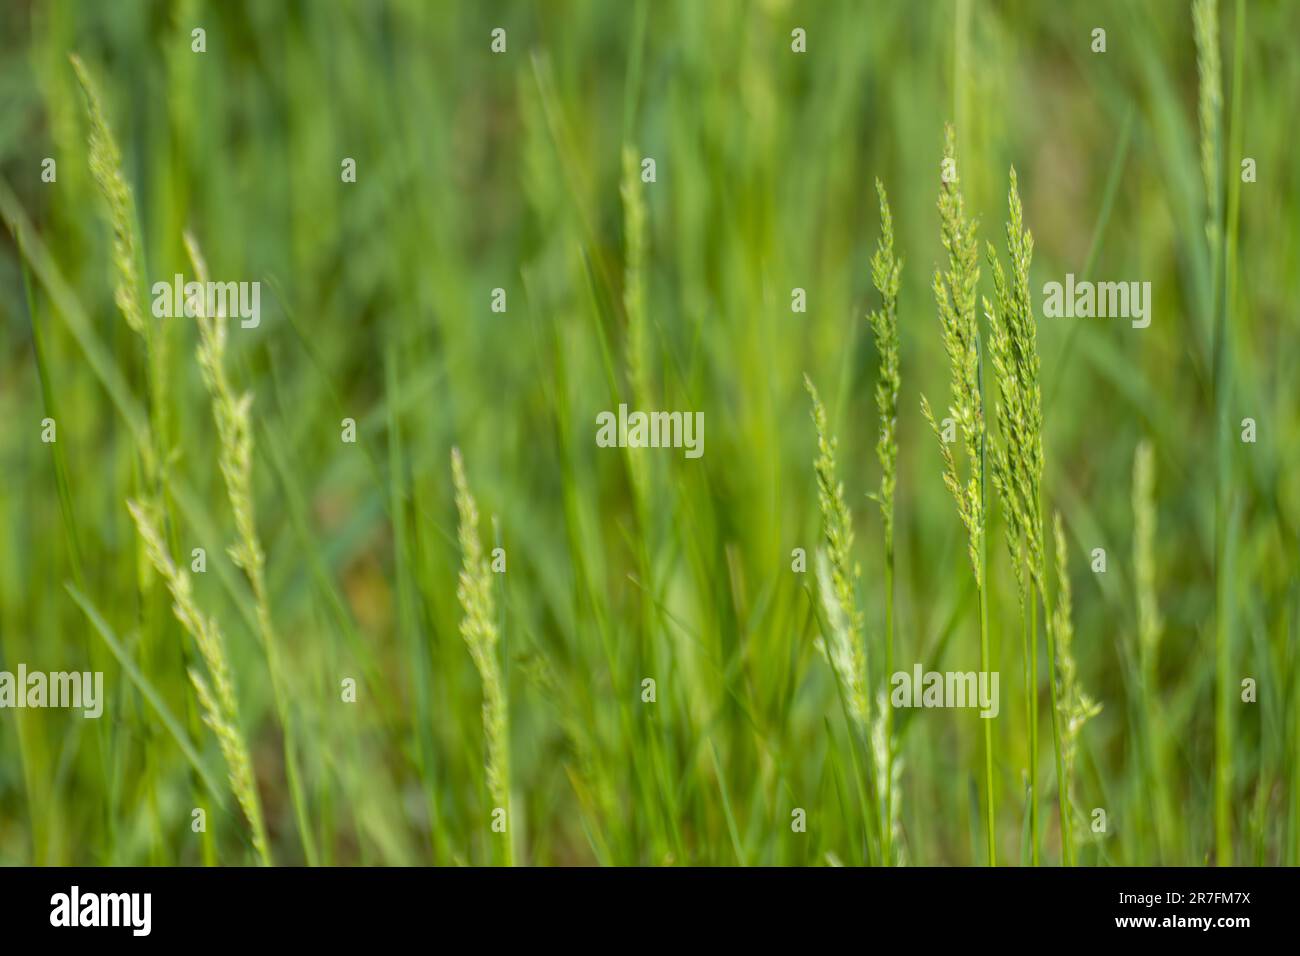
[
  {"x": 836, "y": 575},
  {"x": 216, "y": 699},
  {"x": 886, "y": 271},
  {"x": 955, "y": 294},
  {"x": 479, "y": 629}
]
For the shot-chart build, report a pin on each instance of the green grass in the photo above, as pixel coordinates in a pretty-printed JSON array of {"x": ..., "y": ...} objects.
[{"x": 526, "y": 690}]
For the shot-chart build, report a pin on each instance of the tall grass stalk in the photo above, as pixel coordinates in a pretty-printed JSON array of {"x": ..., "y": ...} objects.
[
  {"x": 1225, "y": 356},
  {"x": 1227, "y": 502},
  {"x": 128, "y": 264},
  {"x": 478, "y": 627},
  {"x": 1018, "y": 468},
  {"x": 955, "y": 295},
  {"x": 1149, "y": 629},
  {"x": 640, "y": 468},
  {"x": 638, "y": 379},
  {"x": 1017, "y": 461},
  {"x": 1205, "y": 27},
  {"x": 233, "y": 417},
  {"x": 886, "y": 271},
  {"x": 838, "y": 574},
  {"x": 153, "y": 446},
  {"x": 1053, "y": 665},
  {"x": 842, "y": 642},
  {"x": 1076, "y": 708},
  {"x": 217, "y": 700}
]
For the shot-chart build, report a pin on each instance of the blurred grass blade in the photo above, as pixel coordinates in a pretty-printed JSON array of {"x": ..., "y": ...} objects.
[{"x": 147, "y": 690}]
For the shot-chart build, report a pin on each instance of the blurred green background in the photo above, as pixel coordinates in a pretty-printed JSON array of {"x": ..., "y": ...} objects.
[{"x": 478, "y": 171}]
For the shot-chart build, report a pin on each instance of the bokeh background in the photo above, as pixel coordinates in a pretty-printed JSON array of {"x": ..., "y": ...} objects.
[{"x": 478, "y": 171}]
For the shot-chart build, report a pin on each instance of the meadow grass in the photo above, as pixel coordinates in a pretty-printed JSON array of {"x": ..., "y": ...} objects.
[
  {"x": 525, "y": 690},
  {"x": 886, "y": 271},
  {"x": 216, "y": 692},
  {"x": 955, "y": 293},
  {"x": 481, "y": 633},
  {"x": 232, "y": 415}
]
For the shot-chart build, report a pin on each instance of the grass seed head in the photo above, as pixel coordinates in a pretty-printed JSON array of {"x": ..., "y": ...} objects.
[
  {"x": 217, "y": 702},
  {"x": 479, "y": 629},
  {"x": 1205, "y": 26},
  {"x": 106, "y": 169},
  {"x": 1017, "y": 460},
  {"x": 1074, "y": 706},
  {"x": 886, "y": 271},
  {"x": 954, "y": 293},
  {"x": 837, "y": 574}
]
